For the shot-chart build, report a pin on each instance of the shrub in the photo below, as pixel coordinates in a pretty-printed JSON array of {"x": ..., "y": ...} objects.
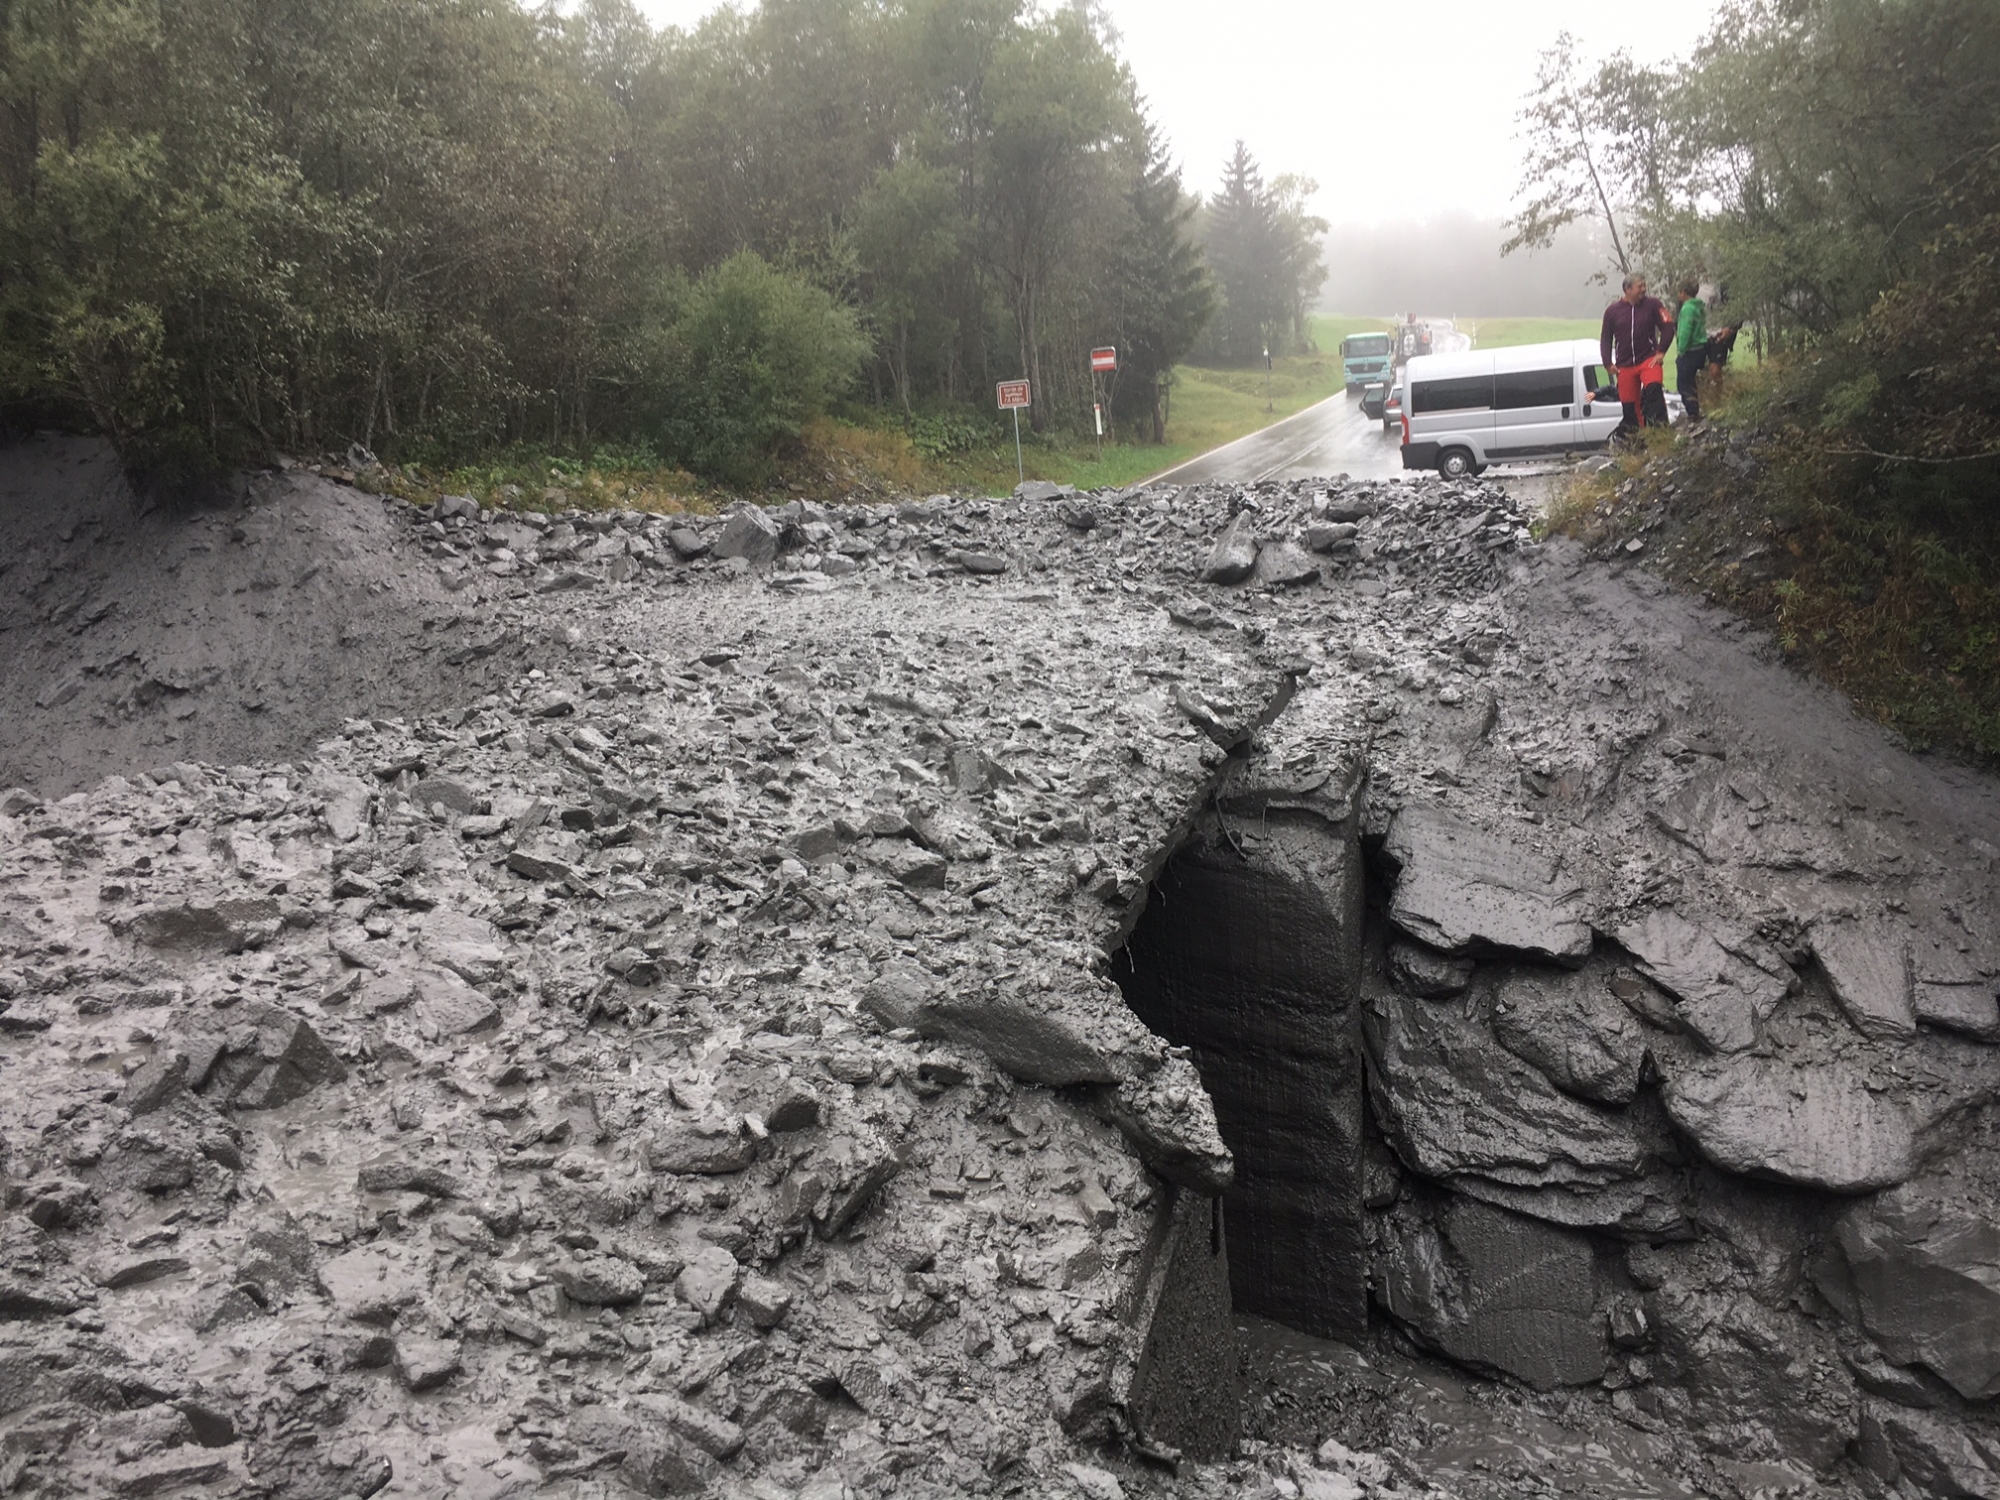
[{"x": 740, "y": 360}]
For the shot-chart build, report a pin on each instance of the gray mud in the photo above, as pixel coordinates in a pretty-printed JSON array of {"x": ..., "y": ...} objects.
[
  {"x": 135, "y": 635},
  {"x": 790, "y": 1037}
]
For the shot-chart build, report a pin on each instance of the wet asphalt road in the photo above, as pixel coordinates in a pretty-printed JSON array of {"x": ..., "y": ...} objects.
[
  {"x": 1325, "y": 440},
  {"x": 1330, "y": 438}
]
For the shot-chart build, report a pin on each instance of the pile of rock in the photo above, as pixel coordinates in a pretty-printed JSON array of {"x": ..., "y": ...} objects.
[{"x": 696, "y": 1063}]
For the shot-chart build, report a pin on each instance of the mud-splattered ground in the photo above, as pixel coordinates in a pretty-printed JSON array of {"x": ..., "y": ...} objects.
[{"x": 686, "y": 1057}]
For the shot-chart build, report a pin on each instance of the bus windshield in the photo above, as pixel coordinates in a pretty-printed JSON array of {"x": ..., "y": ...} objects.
[{"x": 1363, "y": 345}]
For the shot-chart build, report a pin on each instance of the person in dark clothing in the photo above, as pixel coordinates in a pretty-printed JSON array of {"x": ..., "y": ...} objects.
[
  {"x": 1691, "y": 340},
  {"x": 1633, "y": 342}
]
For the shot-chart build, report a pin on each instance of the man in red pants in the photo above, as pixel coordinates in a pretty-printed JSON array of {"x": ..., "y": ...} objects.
[{"x": 1633, "y": 342}]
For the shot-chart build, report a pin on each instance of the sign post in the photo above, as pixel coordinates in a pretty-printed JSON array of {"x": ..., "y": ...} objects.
[
  {"x": 1013, "y": 395},
  {"x": 1102, "y": 362}
]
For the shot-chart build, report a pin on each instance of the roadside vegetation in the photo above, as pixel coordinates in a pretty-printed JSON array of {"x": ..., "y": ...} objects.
[
  {"x": 473, "y": 236},
  {"x": 1832, "y": 169}
]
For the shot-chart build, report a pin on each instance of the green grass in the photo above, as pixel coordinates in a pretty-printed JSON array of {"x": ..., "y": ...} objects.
[{"x": 1209, "y": 407}]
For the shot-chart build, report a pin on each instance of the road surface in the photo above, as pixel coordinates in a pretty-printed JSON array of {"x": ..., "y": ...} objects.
[{"x": 1330, "y": 438}]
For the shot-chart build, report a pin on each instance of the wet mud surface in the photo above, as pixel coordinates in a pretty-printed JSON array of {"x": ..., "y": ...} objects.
[{"x": 710, "y": 1053}]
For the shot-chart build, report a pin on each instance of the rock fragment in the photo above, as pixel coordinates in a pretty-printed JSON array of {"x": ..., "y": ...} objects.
[{"x": 1459, "y": 885}]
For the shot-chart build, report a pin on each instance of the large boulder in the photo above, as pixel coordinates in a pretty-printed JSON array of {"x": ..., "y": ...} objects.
[
  {"x": 1867, "y": 964},
  {"x": 1820, "y": 1126},
  {"x": 1234, "y": 556},
  {"x": 1571, "y": 1026},
  {"x": 1458, "y": 886},
  {"x": 1919, "y": 1268},
  {"x": 1460, "y": 1109},
  {"x": 1497, "y": 1291}
]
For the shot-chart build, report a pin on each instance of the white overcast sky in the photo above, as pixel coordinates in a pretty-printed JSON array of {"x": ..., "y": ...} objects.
[{"x": 1399, "y": 109}]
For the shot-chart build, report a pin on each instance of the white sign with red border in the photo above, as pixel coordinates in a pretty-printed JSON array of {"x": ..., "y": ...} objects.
[{"x": 1013, "y": 394}]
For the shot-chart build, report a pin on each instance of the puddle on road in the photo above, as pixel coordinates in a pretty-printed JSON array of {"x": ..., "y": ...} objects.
[{"x": 1468, "y": 1436}]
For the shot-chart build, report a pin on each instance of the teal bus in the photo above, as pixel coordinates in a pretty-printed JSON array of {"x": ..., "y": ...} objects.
[{"x": 1364, "y": 358}]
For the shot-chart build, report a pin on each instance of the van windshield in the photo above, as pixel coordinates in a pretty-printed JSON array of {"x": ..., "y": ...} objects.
[{"x": 1363, "y": 345}]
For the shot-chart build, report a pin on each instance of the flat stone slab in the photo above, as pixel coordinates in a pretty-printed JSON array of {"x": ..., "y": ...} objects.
[
  {"x": 371, "y": 1286},
  {"x": 1722, "y": 997},
  {"x": 1868, "y": 966},
  {"x": 1817, "y": 1126},
  {"x": 1499, "y": 1291},
  {"x": 1460, "y": 886}
]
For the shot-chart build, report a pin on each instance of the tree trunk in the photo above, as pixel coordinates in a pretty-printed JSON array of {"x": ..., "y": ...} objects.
[{"x": 1159, "y": 417}]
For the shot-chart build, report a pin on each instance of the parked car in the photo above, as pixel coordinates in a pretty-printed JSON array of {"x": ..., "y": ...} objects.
[
  {"x": 1373, "y": 395},
  {"x": 1392, "y": 408},
  {"x": 1465, "y": 411}
]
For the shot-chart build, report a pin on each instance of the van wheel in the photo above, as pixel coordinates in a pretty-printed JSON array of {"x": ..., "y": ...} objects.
[{"x": 1456, "y": 463}]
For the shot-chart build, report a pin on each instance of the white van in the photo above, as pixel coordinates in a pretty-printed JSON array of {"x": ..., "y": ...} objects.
[{"x": 1462, "y": 412}]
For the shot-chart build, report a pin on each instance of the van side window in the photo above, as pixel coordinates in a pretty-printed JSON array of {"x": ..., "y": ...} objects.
[
  {"x": 1524, "y": 388},
  {"x": 1596, "y": 378},
  {"x": 1468, "y": 393}
]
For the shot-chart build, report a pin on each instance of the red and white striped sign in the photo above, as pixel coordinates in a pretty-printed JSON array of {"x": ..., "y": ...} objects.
[
  {"x": 1012, "y": 394},
  {"x": 1103, "y": 361}
]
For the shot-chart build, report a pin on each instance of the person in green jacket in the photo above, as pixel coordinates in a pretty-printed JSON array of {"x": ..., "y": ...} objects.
[{"x": 1691, "y": 336}]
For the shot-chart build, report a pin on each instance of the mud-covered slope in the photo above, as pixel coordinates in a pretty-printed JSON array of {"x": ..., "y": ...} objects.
[{"x": 132, "y": 637}]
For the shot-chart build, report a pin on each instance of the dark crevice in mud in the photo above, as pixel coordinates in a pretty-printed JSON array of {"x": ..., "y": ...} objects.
[{"x": 1248, "y": 955}]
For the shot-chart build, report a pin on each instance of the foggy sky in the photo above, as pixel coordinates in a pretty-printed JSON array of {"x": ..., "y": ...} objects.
[{"x": 1402, "y": 111}]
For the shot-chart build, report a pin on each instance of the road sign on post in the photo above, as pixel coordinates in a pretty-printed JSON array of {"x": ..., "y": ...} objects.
[
  {"x": 1103, "y": 361},
  {"x": 1013, "y": 395}
]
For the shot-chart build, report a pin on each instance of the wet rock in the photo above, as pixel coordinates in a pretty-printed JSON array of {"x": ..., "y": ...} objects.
[
  {"x": 709, "y": 1281},
  {"x": 1741, "y": 1361},
  {"x": 157, "y": 1081},
  {"x": 425, "y": 1364},
  {"x": 1571, "y": 1027},
  {"x": 1927, "y": 1452},
  {"x": 272, "y": 1062},
  {"x": 1283, "y": 564},
  {"x": 599, "y": 1280},
  {"x": 346, "y": 808},
  {"x": 1419, "y": 970},
  {"x": 752, "y": 535},
  {"x": 532, "y": 864},
  {"x": 467, "y": 946},
  {"x": 370, "y": 1285},
  {"x": 138, "y": 1270},
  {"x": 1454, "y": 1103},
  {"x": 451, "y": 1007},
  {"x": 1458, "y": 885},
  {"x": 1234, "y": 556},
  {"x": 1094, "y": 1483},
  {"x": 1498, "y": 1291},
  {"x": 647, "y": 1454},
  {"x": 713, "y": 1435},
  {"x": 1723, "y": 998},
  {"x": 164, "y": 1472},
  {"x": 230, "y": 925},
  {"x": 1170, "y": 1120},
  {"x": 1965, "y": 1005},
  {"x": 442, "y": 791},
  {"x": 1816, "y": 1125},
  {"x": 764, "y": 1301},
  {"x": 1045, "y": 1037},
  {"x": 705, "y": 1146},
  {"x": 398, "y": 1174},
  {"x": 1868, "y": 966},
  {"x": 1919, "y": 1269}
]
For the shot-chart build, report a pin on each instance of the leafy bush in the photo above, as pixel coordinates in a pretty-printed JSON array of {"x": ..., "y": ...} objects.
[
  {"x": 740, "y": 360},
  {"x": 941, "y": 434}
]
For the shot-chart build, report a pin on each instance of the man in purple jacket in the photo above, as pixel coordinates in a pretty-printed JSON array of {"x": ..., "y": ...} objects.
[{"x": 1633, "y": 342}]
